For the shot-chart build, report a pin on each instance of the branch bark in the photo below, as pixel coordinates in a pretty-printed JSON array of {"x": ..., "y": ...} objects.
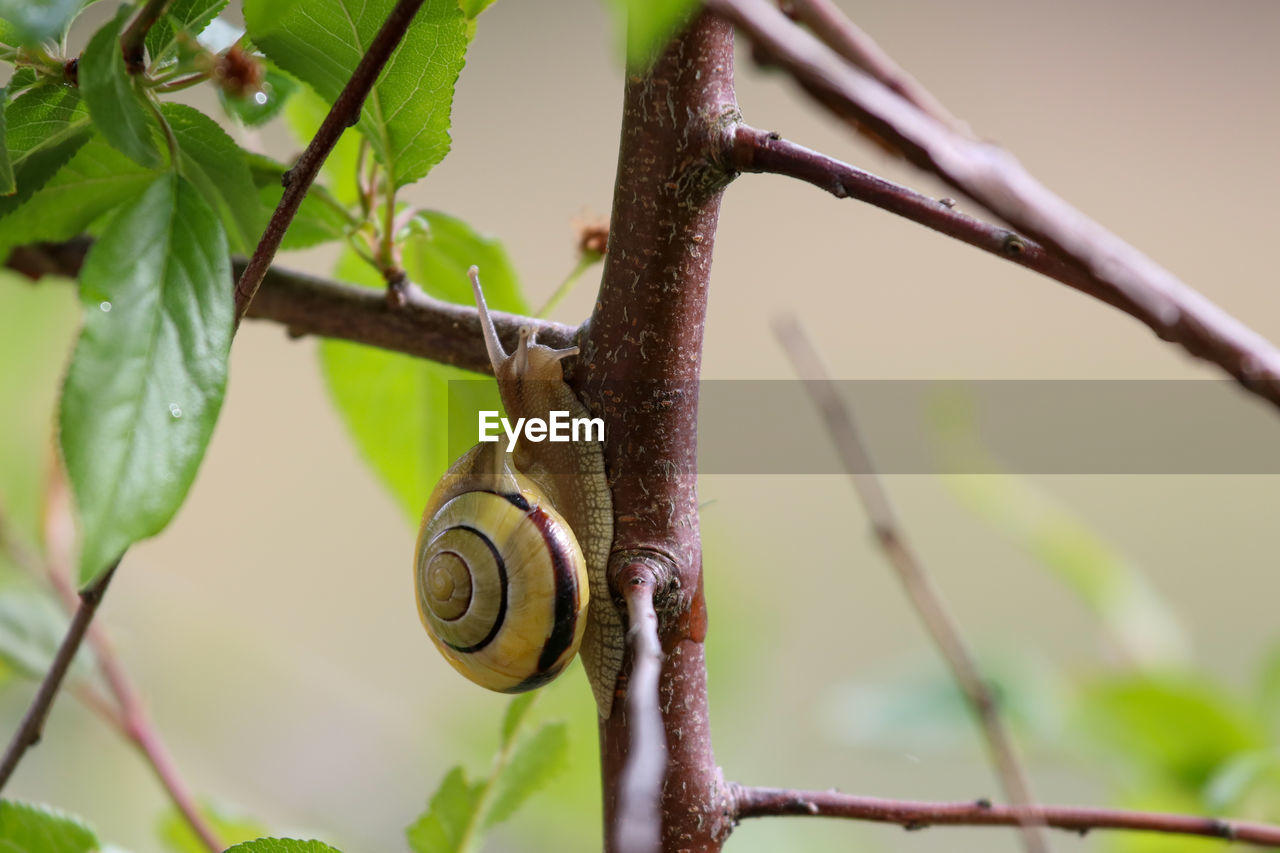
[
  {"x": 642, "y": 353},
  {"x": 776, "y": 802},
  {"x": 310, "y": 305},
  {"x": 639, "y": 826},
  {"x": 761, "y": 151},
  {"x": 995, "y": 179}
]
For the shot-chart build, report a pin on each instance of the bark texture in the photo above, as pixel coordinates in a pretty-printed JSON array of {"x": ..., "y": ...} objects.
[{"x": 642, "y": 352}]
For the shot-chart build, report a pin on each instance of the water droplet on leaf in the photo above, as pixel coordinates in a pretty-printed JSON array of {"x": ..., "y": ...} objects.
[
  {"x": 175, "y": 410},
  {"x": 105, "y": 306}
]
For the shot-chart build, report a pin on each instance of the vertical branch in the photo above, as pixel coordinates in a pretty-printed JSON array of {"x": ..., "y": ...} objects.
[
  {"x": 641, "y": 358},
  {"x": 639, "y": 825},
  {"x": 919, "y": 586}
]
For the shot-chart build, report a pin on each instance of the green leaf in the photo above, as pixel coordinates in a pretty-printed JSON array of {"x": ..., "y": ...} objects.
[
  {"x": 441, "y": 248},
  {"x": 1176, "y": 729},
  {"x": 473, "y": 8},
  {"x": 32, "y": 626},
  {"x": 443, "y": 827},
  {"x": 38, "y": 20},
  {"x": 399, "y": 409},
  {"x": 45, "y": 127},
  {"x": 406, "y": 116},
  {"x": 1115, "y": 591},
  {"x": 26, "y": 828},
  {"x": 190, "y": 16},
  {"x": 218, "y": 167},
  {"x": 917, "y": 706},
  {"x": 177, "y": 836},
  {"x": 517, "y": 712},
  {"x": 282, "y": 845},
  {"x": 115, "y": 104},
  {"x": 261, "y": 106},
  {"x": 319, "y": 219},
  {"x": 7, "y": 186},
  {"x": 649, "y": 25},
  {"x": 148, "y": 374},
  {"x": 1232, "y": 785},
  {"x": 537, "y": 760},
  {"x": 24, "y": 78},
  {"x": 96, "y": 180}
]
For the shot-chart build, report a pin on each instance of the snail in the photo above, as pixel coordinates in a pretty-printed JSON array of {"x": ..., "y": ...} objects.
[{"x": 510, "y": 565}]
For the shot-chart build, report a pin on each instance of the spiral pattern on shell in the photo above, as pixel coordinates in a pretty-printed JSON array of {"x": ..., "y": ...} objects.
[{"x": 502, "y": 588}]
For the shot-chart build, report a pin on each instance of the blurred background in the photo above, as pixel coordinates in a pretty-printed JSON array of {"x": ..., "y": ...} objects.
[{"x": 1128, "y": 620}]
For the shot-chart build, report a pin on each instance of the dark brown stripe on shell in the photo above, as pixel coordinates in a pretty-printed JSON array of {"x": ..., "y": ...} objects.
[
  {"x": 502, "y": 602},
  {"x": 564, "y": 627}
]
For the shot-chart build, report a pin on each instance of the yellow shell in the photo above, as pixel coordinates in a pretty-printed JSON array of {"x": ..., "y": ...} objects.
[{"x": 502, "y": 588}]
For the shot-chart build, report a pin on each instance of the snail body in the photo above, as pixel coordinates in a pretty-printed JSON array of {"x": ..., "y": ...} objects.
[{"x": 510, "y": 566}]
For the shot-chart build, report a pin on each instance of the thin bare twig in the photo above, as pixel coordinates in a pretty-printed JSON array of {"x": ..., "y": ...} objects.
[
  {"x": 32, "y": 726},
  {"x": 992, "y": 177},
  {"x": 828, "y": 23},
  {"x": 919, "y": 586},
  {"x": 768, "y": 802},
  {"x": 344, "y": 113},
  {"x": 130, "y": 714},
  {"x": 764, "y": 152},
  {"x": 639, "y": 822}
]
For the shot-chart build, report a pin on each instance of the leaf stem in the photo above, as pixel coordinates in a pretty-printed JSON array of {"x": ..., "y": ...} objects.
[
  {"x": 585, "y": 262},
  {"x": 177, "y": 84},
  {"x": 469, "y": 834}
]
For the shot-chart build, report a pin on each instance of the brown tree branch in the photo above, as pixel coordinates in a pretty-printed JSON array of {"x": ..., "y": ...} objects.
[
  {"x": 639, "y": 823},
  {"x": 133, "y": 41},
  {"x": 837, "y": 32},
  {"x": 32, "y": 726},
  {"x": 310, "y": 305},
  {"x": 761, "y": 151},
  {"x": 641, "y": 355},
  {"x": 770, "y": 802},
  {"x": 925, "y": 597},
  {"x": 344, "y": 113},
  {"x": 993, "y": 178}
]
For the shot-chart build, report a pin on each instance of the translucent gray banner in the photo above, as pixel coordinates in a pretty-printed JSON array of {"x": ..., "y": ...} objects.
[{"x": 933, "y": 427}]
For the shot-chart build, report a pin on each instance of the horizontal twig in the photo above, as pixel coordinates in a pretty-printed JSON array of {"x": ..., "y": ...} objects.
[
  {"x": 762, "y": 151},
  {"x": 310, "y": 305},
  {"x": 773, "y": 802},
  {"x": 996, "y": 180}
]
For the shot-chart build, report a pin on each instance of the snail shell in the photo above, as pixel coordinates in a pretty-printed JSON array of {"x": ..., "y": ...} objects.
[
  {"x": 511, "y": 561},
  {"x": 502, "y": 585}
]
